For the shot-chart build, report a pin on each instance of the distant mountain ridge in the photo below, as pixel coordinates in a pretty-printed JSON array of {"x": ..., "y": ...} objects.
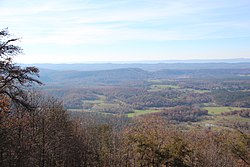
[
  {"x": 130, "y": 75},
  {"x": 236, "y": 60},
  {"x": 151, "y": 65},
  {"x": 92, "y": 78}
]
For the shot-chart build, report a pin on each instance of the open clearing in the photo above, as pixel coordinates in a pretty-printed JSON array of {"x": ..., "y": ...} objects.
[
  {"x": 219, "y": 110},
  {"x": 161, "y": 87},
  {"x": 141, "y": 112}
]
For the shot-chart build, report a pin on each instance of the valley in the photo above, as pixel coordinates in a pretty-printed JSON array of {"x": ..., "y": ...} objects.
[{"x": 208, "y": 95}]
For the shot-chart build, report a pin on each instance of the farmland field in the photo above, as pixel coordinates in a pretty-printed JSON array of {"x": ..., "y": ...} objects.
[
  {"x": 142, "y": 112},
  {"x": 160, "y": 87},
  {"x": 219, "y": 110}
]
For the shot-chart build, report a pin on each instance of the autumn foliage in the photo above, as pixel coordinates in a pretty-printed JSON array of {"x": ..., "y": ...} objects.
[{"x": 36, "y": 131}]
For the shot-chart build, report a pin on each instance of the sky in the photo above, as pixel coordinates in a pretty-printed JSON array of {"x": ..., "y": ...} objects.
[{"x": 79, "y": 31}]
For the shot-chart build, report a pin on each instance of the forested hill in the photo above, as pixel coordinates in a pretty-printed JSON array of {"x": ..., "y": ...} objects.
[
  {"x": 124, "y": 75},
  {"x": 88, "y": 77}
]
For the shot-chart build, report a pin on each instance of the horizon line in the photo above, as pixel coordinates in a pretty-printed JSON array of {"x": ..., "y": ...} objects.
[{"x": 231, "y": 60}]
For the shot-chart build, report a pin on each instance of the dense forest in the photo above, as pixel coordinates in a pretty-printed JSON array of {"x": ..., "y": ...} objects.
[{"x": 122, "y": 117}]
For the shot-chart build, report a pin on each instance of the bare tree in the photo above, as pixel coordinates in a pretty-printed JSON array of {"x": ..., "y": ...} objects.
[{"x": 13, "y": 78}]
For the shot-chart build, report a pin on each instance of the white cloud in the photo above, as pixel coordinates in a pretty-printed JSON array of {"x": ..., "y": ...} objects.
[{"x": 76, "y": 22}]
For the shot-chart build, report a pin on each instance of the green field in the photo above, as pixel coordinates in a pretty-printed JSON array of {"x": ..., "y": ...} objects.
[
  {"x": 141, "y": 112},
  {"x": 155, "y": 81},
  {"x": 75, "y": 110},
  {"x": 160, "y": 87},
  {"x": 219, "y": 110},
  {"x": 197, "y": 91},
  {"x": 101, "y": 100},
  {"x": 93, "y": 101}
]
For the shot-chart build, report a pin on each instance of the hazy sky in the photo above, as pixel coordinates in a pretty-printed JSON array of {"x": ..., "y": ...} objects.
[{"x": 75, "y": 31}]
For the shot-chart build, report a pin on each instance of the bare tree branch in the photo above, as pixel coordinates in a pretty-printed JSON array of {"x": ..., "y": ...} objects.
[{"x": 14, "y": 78}]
